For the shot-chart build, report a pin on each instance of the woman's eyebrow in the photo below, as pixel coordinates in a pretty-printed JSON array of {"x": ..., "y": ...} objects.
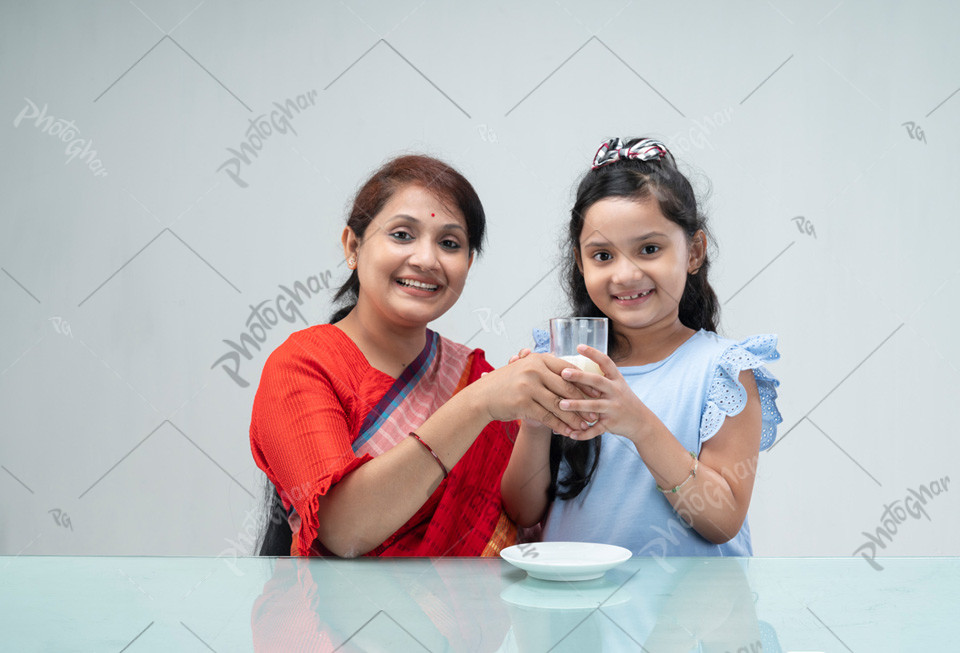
[{"x": 410, "y": 218}]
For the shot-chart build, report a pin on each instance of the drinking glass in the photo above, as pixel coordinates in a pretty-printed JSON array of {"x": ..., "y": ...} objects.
[{"x": 568, "y": 332}]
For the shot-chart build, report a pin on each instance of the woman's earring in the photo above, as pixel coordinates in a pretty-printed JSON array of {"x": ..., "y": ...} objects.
[{"x": 352, "y": 262}]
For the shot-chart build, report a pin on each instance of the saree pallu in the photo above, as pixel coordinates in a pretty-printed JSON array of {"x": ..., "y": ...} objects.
[{"x": 464, "y": 515}]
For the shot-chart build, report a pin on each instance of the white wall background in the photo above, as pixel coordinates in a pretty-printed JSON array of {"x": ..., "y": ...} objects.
[{"x": 123, "y": 273}]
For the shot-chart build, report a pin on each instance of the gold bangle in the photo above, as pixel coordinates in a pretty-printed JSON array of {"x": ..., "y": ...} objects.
[{"x": 692, "y": 474}]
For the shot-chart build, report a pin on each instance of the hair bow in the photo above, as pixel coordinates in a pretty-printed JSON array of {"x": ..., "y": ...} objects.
[{"x": 614, "y": 150}]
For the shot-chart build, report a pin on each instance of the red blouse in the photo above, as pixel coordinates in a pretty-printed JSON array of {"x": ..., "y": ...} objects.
[{"x": 315, "y": 391}]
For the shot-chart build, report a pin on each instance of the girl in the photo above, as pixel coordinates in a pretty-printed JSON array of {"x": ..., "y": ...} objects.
[
  {"x": 683, "y": 412},
  {"x": 378, "y": 435}
]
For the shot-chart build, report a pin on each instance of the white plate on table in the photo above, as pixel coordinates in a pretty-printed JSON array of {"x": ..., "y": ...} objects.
[{"x": 566, "y": 561}]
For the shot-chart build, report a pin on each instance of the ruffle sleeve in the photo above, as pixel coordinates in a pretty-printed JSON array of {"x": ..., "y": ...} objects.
[
  {"x": 541, "y": 341},
  {"x": 727, "y": 396}
]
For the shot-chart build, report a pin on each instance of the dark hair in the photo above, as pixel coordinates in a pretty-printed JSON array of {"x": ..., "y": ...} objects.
[
  {"x": 450, "y": 187},
  {"x": 277, "y": 537},
  {"x": 699, "y": 308}
]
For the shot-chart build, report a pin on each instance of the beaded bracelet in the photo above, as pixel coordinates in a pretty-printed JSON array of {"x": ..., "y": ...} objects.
[
  {"x": 432, "y": 453},
  {"x": 693, "y": 474}
]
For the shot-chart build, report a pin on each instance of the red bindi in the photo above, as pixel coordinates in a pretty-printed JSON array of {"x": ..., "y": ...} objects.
[{"x": 433, "y": 215}]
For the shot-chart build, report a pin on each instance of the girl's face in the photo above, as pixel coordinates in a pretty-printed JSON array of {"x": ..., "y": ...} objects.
[
  {"x": 413, "y": 259},
  {"x": 635, "y": 262}
]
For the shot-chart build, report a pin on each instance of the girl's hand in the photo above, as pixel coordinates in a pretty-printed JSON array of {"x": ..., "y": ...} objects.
[
  {"x": 590, "y": 392},
  {"x": 620, "y": 411},
  {"x": 531, "y": 388},
  {"x": 523, "y": 353}
]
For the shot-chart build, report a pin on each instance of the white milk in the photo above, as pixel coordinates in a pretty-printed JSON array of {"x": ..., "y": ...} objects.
[{"x": 583, "y": 363}]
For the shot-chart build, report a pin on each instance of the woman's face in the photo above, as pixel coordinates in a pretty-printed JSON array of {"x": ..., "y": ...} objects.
[{"x": 413, "y": 259}]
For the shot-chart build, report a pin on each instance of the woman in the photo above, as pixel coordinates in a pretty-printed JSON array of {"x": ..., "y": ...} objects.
[{"x": 380, "y": 436}]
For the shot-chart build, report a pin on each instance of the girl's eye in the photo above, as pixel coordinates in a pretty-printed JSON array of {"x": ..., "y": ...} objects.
[
  {"x": 602, "y": 256},
  {"x": 449, "y": 244},
  {"x": 650, "y": 249},
  {"x": 401, "y": 235}
]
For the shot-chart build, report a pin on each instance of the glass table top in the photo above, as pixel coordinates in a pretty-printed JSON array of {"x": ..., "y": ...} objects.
[{"x": 474, "y": 604}]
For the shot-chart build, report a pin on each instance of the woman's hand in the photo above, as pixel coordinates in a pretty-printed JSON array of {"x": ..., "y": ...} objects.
[
  {"x": 590, "y": 392},
  {"x": 530, "y": 388},
  {"x": 532, "y": 423},
  {"x": 620, "y": 411},
  {"x": 590, "y": 418}
]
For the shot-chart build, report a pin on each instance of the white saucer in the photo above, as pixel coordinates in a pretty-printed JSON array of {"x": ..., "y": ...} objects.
[{"x": 567, "y": 561}]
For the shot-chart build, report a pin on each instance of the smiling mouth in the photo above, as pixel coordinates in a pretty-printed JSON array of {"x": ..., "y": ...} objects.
[
  {"x": 634, "y": 296},
  {"x": 413, "y": 283}
]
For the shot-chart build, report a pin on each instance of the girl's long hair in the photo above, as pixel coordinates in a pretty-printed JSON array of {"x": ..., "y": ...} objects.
[
  {"x": 637, "y": 180},
  {"x": 452, "y": 189}
]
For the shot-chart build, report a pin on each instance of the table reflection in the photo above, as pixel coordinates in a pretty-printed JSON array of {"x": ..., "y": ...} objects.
[
  {"x": 685, "y": 604},
  {"x": 364, "y": 605}
]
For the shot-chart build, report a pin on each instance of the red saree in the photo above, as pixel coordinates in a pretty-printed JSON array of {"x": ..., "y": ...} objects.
[{"x": 321, "y": 411}]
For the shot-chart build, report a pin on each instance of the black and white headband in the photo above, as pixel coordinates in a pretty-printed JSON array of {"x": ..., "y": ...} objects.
[{"x": 613, "y": 150}]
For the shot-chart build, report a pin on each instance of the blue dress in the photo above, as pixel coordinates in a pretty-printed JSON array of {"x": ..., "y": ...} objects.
[{"x": 692, "y": 391}]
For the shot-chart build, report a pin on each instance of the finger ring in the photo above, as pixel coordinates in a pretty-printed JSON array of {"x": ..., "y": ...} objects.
[{"x": 593, "y": 423}]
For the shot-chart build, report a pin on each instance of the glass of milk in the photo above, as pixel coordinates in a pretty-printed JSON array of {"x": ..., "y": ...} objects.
[{"x": 568, "y": 332}]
